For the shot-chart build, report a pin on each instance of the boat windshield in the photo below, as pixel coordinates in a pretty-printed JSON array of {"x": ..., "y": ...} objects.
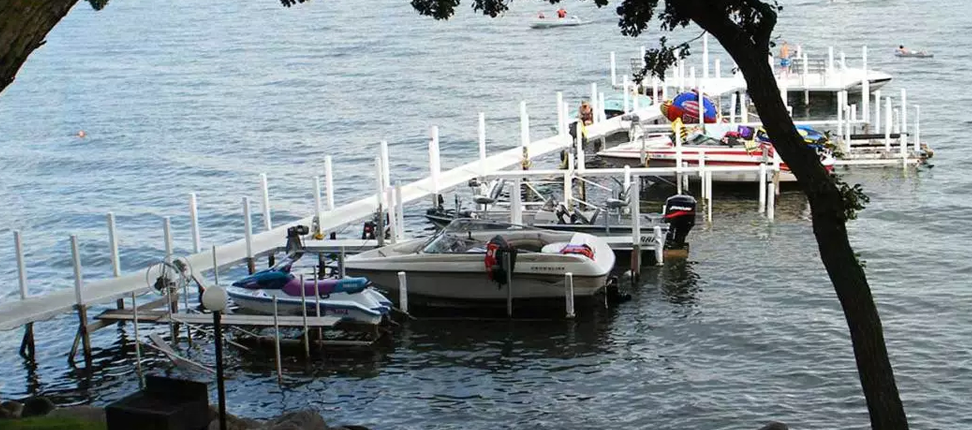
[{"x": 458, "y": 237}]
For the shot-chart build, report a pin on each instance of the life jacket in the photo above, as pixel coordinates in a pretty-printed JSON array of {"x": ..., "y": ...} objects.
[{"x": 496, "y": 248}]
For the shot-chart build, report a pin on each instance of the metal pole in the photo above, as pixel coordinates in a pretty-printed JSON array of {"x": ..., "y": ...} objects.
[
  {"x": 21, "y": 267},
  {"x": 400, "y": 210},
  {"x": 318, "y": 210},
  {"x": 635, "y": 198},
  {"x": 317, "y": 303},
  {"x": 569, "y": 293},
  {"x": 659, "y": 246},
  {"x": 762, "y": 185},
  {"x": 265, "y": 189},
  {"x": 138, "y": 343},
  {"x": 82, "y": 309},
  {"x": 220, "y": 387},
  {"x": 248, "y": 230},
  {"x": 509, "y": 285},
  {"x": 303, "y": 314},
  {"x": 276, "y": 343},
  {"x": 215, "y": 267}
]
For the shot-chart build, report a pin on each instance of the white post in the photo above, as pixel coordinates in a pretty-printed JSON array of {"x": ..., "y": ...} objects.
[
  {"x": 762, "y": 186},
  {"x": 247, "y": 228},
  {"x": 627, "y": 180},
  {"x": 434, "y": 159},
  {"x": 664, "y": 93},
  {"x": 568, "y": 188},
  {"x": 600, "y": 112},
  {"x": 76, "y": 260},
  {"x": 392, "y": 214},
  {"x": 112, "y": 245},
  {"x": 318, "y": 211},
  {"x": 379, "y": 185},
  {"x": 708, "y": 190},
  {"x": 843, "y": 61},
  {"x": 904, "y": 118},
  {"x": 614, "y": 73},
  {"x": 402, "y": 292},
  {"x": 400, "y": 211},
  {"x": 482, "y": 141},
  {"x": 771, "y": 200},
  {"x": 732, "y": 109},
  {"x": 692, "y": 80},
  {"x": 705, "y": 56},
  {"x": 385, "y": 166},
  {"x": 579, "y": 151},
  {"x": 743, "y": 107},
  {"x": 678, "y": 161},
  {"x": 887, "y": 125},
  {"x": 525, "y": 124},
  {"x": 21, "y": 268},
  {"x": 840, "y": 114},
  {"x": 917, "y": 130},
  {"x": 626, "y": 90},
  {"x": 864, "y": 61},
  {"x": 634, "y": 199},
  {"x": 167, "y": 236},
  {"x": 329, "y": 182},
  {"x": 701, "y": 102},
  {"x": 865, "y": 101},
  {"x": 193, "y": 224},
  {"x": 635, "y": 103},
  {"x": 265, "y": 189},
  {"x": 516, "y": 211},
  {"x": 877, "y": 109},
  {"x": 659, "y": 246},
  {"x": 569, "y": 293}
]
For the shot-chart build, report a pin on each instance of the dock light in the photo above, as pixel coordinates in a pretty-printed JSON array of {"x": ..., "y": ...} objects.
[{"x": 215, "y": 299}]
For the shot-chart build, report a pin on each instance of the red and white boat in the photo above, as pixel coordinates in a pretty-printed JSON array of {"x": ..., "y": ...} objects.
[{"x": 661, "y": 152}]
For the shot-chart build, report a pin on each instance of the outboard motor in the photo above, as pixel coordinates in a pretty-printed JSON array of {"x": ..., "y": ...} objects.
[
  {"x": 496, "y": 249},
  {"x": 294, "y": 245},
  {"x": 680, "y": 216}
]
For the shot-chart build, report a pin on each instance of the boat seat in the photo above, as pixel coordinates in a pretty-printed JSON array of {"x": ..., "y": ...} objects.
[
  {"x": 553, "y": 248},
  {"x": 615, "y": 203},
  {"x": 484, "y": 200}
]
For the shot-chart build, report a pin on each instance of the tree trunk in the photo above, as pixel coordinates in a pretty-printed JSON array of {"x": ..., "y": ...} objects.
[
  {"x": 23, "y": 26},
  {"x": 827, "y": 210}
]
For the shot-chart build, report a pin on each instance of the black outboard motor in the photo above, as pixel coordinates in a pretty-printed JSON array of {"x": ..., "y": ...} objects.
[
  {"x": 680, "y": 216},
  {"x": 294, "y": 245}
]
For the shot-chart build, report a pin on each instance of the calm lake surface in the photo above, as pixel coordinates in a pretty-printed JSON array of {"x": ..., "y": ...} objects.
[{"x": 179, "y": 97}]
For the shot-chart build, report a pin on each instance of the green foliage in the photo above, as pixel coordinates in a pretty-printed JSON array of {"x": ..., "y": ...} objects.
[
  {"x": 50, "y": 423},
  {"x": 98, "y": 4},
  {"x": 854, "y": 198}
]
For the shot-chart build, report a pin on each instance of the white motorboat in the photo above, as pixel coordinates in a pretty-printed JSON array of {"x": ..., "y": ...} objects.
[
  {"x": 367, "y": 306},
  {"x": 913, "y": 54},
  {"x": 544, "y": 23},
  {"x": 463, "y": 264}
]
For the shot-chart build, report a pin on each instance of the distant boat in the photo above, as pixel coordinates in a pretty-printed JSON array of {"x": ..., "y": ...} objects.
[
  {"x": 913, "y": 54},
  {"x": 557, "y": 22}
]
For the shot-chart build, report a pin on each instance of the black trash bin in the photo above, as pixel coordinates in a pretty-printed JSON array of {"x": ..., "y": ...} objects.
[{"x": 164, "y": 404}]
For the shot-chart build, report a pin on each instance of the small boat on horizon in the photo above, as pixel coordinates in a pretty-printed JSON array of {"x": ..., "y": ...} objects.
[{"x": 544, "y": 23}]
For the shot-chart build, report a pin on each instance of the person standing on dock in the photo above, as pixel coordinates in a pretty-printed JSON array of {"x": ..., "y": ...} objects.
[
  {"x": 785, "y": 58},
  {"x": 561, "y": 13}
]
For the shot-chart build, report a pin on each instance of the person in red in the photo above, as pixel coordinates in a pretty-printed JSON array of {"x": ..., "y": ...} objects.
[
  {"x": 540, "y": 15},
  {"x": 561, "y": 13}
]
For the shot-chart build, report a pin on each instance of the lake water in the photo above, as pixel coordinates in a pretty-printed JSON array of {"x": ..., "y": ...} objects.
[{"x": 179, "y": 97}]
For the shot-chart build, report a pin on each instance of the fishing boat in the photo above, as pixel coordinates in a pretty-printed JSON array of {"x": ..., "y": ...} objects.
[
  {"x": 465, "y": 264},
  {"x": 913, "y": 54},
  {"x": 544, "y": 23},
  {"x": 745, "y": 147}
]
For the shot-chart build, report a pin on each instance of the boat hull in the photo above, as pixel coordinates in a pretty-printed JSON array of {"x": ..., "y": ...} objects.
[{"x": 367, "y": 307}]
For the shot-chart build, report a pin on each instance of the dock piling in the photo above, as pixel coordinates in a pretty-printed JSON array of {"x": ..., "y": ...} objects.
[
  {"x": 317, "y": 304},
  {"x": 917, "y": 131},
  {"x": 718, "y": 69},
  {"x": 569, "y": 294},
  {"x": 830, "y": 60},
  {"x": 392, "y": 214},
  {"x": 318, "y": 211},
  {"x": 265, "y": 192},
  {"x": 194, "y": 224},
  {"x": 82, "y": 309},
  {"x": 329, "y": 182},
  {"x": 771, "y": 200},
  {"x": 303, "y": 314},
  {"x": 659, "y": 246},
  {"x": 635, "y": 201},
  {"x": 400, "y": 210},
  {"x": 215, "y": 267},
  {"x": 27, "y": 343},
  {"x": 138, "y": 342},
  {"x": 509, "y": 285},
  {"x": 732, "y": 108},
  {"x": 708, "y": 190},
  {"x": 385, "y": 165},
  {"x": 762, "y": 186},
  {"x": 276, "y": 341},
  {"x": 743, "y": 107},
  {"x": 403, "y": 292},
  {"x": 877, "y": 110},
  {"x": 113, "y": 253},
  {"x": 904, "y": 119},
  {"x": 516, "y": 209},
  {"x": 593, "y": 99},
  {"x": 248, "y": 236},
  {"x": 887, "y": 124}
]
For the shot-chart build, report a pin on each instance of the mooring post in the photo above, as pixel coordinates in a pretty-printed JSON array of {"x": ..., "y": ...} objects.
[
  {"x": 516, "y": 209},
  {"x": 403, "y": 292},
  {"x": 329, "y": 182},
  {"x": 138, "y": 343},
  {"x": 732, "y": 108},
  {"x": 392, "y": 214},
  {"x": 635, "y": 201},
  {"x": 569, "y": 293},
  {"x": 840, "y": 115},
  {"x": 303, "y": 314},
  {"x": 385, "y": 165},
  {"x": 509, "y": 285},
  {"x": 659, "y": 246},
  {"x": 194, "y": 224},
  {"x": 82, "y": 308},
  {"x": 113, "y": 250},
  {"x": 265, "y": 192},
  {"x": 771, "y": 200},
  {"x": 887, "y": 124},
  {"x": 718, "y": 69},
  {"x": 434, "y": 164},
  {"x": 400, "y": 210},
  {"x": 830, "y": 60},
  {"x": 917, "y": 130},
  {"x": 482, "y": 145},
  {"x": 215, "y": 267},
  {"x": 708, "y": 189},
  {"x": 276, "y": 342},
  {"x": 678, "y": 160},
  {"x": 904, "y": 119},
  {"x": 318, "y": 232},
  {"x": 614, "y": 73},
  {"x": 743, "y": 108},
  {"x": 866, "y": 102},
  {"x": 877, "y": 111},
  {"x": 382, "y": 206},
  {"x": 317, "y": 304},
  {"x": 762, "y": 185},
  {"x": 806, "y": 81},
  {"x": 681, "y": 76},
  {"x": 27, "y": 343},
  {"x": 248, "y": 236}
]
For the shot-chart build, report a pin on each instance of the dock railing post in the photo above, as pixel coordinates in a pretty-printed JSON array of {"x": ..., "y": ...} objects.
[
  {"x": 569, "y": 293},
  {"x": 887, "y": 124},
  {"x": 400, "y": 210},
  {"x": 877, "y": 111},
  {"x": 732, "y": 108},
  {"x": 614, "y": 71},
  {"x": 762, "y": 185},
  {"x": 81, "y": 307},
  {"x": 403, "y": 292},
  {"x": 385, "y": 165},
  {"x": 276, "y": 342},
  {"x": 659, "y": 246},
  {"x": 904, "y": 119},
  {"x": 743, "y": 108},
  {"x": 248, "y": 236},
  {"x": 917, "y": 130},
  {"x": 303, "y": 314},
  {"x": 635, "y": 201},
  {"x": 194, "y": 224},
  {"x": 434, "y": 164},
  {"x": 329, "y": 182},
  {"x": 27, "y": 344},
  {"x": 265, "y": 192},
  {"x": 113, "y": 249},
  {"x": 516, "y": 209},
  {"x": 318, "y": 232}
]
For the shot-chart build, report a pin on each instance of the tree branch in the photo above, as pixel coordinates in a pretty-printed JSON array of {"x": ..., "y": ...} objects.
[{"x": 23, "y": 26}]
